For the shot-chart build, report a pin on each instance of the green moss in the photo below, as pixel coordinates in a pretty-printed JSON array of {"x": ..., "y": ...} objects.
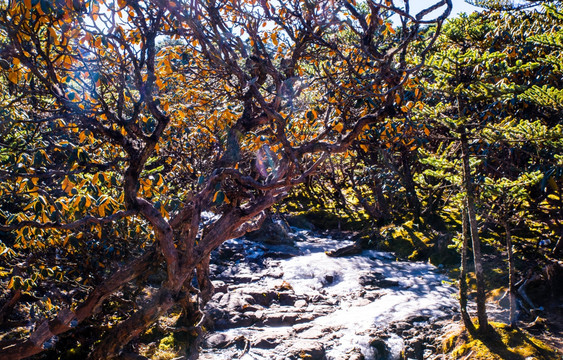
[
  {"x": 400, "y": 246},
  {"x": 166, "y": 343},
  {"x": 502, "y": 343},
  {"x": 415, "y": 242},
  {"x": 415, "y": 256}
]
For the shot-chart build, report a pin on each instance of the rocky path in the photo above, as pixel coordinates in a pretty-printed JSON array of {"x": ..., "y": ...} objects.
[{"x": 292, "y": 302}]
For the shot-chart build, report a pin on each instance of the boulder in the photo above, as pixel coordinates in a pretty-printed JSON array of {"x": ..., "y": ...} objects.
[
  {"x": 355, "y": 354},
  {"x": 275, "y": 230},
  {"x": 379, "y": 348},
  {"x": 219, "y": 341},
  {"x": 307, "y": 349},
  {"x": 377, "y": 280},
  {"x": 219, "y": 286},
  {"x": 300, "y": 222}
]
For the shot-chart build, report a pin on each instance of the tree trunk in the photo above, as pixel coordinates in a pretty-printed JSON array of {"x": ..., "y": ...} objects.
[
  {"x": 205, "y": 286},
  {"x": 382, "y": 205},
  {"x": 410, "y": 187},
  {"x": 127, "y": 330},
  {"x": 511, "y": 276},
  {"x": 48, "y": 330},
  {"x": 9, "y": 305},
  {"x": 477, "y": 257},
  {"x": 463, "y": 275}
]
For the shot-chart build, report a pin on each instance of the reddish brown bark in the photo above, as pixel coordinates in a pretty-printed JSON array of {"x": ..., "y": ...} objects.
[
  {"x": 64, "y": 320},
  {"x": 183, "y": 243}
]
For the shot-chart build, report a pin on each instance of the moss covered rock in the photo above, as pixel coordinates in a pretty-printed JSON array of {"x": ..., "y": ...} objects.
[{"x": 502, "y": 343}]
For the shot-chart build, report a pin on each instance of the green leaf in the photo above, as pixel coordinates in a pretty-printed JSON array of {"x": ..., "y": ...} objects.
[{"x": 219, "y": 197}]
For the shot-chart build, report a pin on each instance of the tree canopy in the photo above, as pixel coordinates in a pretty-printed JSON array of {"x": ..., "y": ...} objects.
[{"x": 137, "y": 136}]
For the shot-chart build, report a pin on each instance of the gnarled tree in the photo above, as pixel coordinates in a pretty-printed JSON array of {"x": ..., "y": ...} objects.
[{"x": 126, "y": 123}]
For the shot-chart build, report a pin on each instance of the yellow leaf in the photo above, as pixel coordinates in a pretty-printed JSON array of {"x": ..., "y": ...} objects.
[
  {"x": 82, "y": 136},
  {"x": 339, "y": 127},
  {"x": 52, "y": 33},
  {"x": 48, "y": 304},
  {"x": 102, "y": 209},
  {"x": 13, "y": 76},
  {"x": 67, "y": 186},
  {"x": 364, "y": 147}
]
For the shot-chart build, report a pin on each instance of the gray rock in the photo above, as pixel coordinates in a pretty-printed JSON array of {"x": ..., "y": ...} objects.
[
  {"x": 264, "y": 298},
  {"x": 279, "y": 319},
  {"x": 314, "y": 333},
  {"x": 267, "y": 341},
  {"x": 230, "y": 321},
  {"x": 220, "y": 286},
  {"x": 302, "y": 327},
  {"x": 417, "y": 318},
  {"x": 286, "y": 298},
  {"x": 219, "y": 341},
  {"x": 307, "y": 349},
  {"x": 251, "y": 308},
  {"x": 377, "y": 280},
  {"x": 300, "y": 222},
  {"x": 355, "y": 354},
  {"x": 380, "y": 348},
  {"x": 274, "y": 230}
]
